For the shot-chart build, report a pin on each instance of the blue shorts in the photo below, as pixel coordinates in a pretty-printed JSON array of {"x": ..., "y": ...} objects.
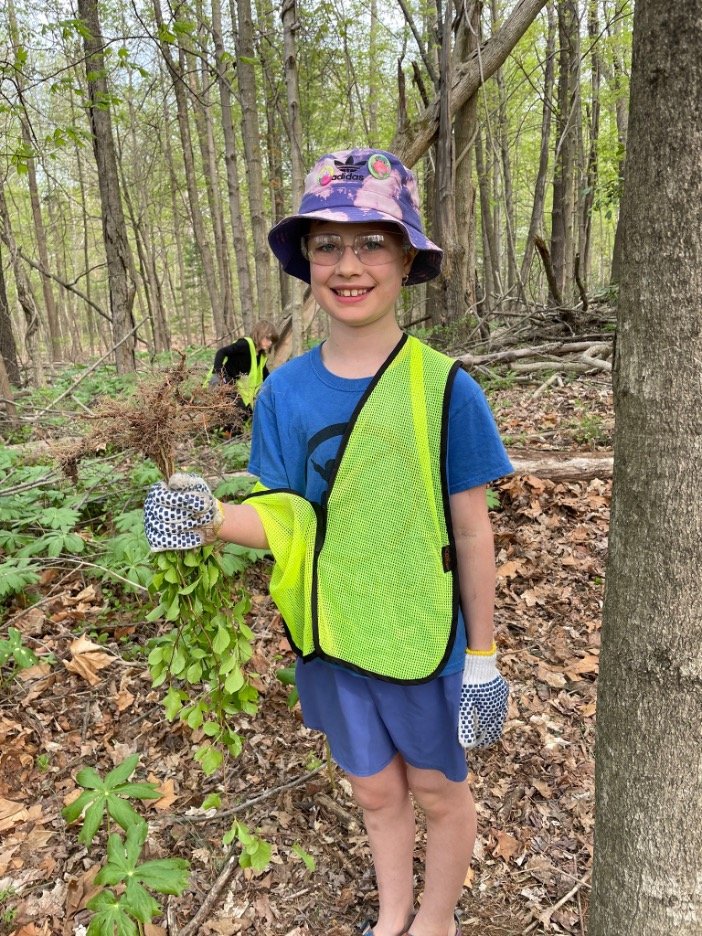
[{"x": 368, "y": 721}]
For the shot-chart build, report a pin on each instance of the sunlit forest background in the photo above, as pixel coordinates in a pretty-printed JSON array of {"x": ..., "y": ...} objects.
[{"x": 206, "y": 117}]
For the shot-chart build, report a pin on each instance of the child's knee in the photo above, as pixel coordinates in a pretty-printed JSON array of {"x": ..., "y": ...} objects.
[
  {"x": 435, "y": 794},
  {"x": 387, "y": 789}
]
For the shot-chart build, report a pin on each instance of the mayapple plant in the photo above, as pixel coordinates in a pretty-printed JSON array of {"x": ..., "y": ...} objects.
[{"x": 106, "y": 802}]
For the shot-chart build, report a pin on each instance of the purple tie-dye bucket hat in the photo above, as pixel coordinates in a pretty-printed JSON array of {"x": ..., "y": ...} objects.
[{"x": 357, "y": 185}]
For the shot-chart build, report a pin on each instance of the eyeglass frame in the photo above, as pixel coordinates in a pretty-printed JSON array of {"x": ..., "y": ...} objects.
[{"x": 405, "y": 247}]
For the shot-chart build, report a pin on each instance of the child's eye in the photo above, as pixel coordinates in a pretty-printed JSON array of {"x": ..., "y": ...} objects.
[{"x": 372, "y": 243}]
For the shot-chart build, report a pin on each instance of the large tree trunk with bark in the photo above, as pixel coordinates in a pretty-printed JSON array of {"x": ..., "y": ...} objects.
[
  {"x": 252, "y": 150},
  {"x": 648, "y": 834},
  {"x": 231, "y": 164},
  {"x": 114, "y": 229}
]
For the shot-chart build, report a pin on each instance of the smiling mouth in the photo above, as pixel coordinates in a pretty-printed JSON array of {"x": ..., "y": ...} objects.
[{"x": 351, "y": 293}]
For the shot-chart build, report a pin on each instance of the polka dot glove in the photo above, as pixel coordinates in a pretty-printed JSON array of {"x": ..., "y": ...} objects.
[
  {"x": 484, "y": 695},
  {"x": 182, "y": 514}
]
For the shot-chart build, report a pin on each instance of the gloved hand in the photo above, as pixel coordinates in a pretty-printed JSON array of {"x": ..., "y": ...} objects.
[
  {"x": 484, "y": 696},
  {"x": 182, "y": 514}
]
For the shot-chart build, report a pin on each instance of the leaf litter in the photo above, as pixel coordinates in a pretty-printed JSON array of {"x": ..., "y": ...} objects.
[{"x": 534, "y": 791}]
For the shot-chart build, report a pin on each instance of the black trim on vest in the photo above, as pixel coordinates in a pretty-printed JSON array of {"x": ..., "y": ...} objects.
[
  {"x": 448, "y": 389},
  {"x": 322, "y": 514},
  {"x": 356, "y": 413},
  {"x": 450, "y": 547}
]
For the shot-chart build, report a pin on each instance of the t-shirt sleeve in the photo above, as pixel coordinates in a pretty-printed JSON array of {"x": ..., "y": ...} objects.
[
  {"x": 266, "y": 458},
  {"x": 476, "y": 454}
]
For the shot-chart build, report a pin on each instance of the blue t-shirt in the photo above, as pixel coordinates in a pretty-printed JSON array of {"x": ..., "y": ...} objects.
[{"x": 301, "y": 415}]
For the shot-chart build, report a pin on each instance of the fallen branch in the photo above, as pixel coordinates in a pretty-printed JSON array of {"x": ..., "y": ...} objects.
[
  {"x": 240, "y": 807},
  {"x": 563, "y": 466},
  {"x": 554, "y": 348}
]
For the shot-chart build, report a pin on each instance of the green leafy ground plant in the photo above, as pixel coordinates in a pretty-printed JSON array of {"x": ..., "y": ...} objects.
[{"x": 105, "y": 802}]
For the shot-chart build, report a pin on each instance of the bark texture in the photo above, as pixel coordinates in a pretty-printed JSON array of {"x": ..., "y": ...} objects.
[
  {"x": 114, "y": 229},
  {"x": 648, "y": 836}
]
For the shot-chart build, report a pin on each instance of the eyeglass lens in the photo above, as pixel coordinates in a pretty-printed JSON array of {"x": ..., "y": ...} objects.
[{"x": 372, "y": 249}]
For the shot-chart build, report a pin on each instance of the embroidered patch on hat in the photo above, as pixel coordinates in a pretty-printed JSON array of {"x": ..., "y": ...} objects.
[
  {"x": 326, "y": 174},
  {"x": 379, "y": 166}
]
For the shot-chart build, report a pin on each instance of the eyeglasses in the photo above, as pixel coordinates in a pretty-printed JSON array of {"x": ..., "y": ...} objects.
[{"x": 372, "y": 249}]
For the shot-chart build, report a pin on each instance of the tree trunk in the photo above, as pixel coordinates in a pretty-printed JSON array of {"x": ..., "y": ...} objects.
[
  {"x": 201, "y": 242},
  {"x": 537, "y": 211},
  {"x": 648, "y": 830},
  {"x": 7, "y": 402},
  {"x": 8, "y": 348},
  {"x": 513, "y": 278},
  {"x": 592, "y": 168},
  {"x": 252, "y": 150},
  {"x": 374, "y": 72},
  {"x": 231, "y": 163},
  {"x": 114, "y": 229},
  {"x": 202, "y": 108},
  {"x": 177, "y": 236},
  {"x": 93, "y": 334},
  {"x": 290, "y": 26},
  {"x": 465, "y": 133},
  {"x": 492, "y": 283},
  {"x": 39, "y": 230},
  {"x": 621, "y": 111},
  {"x": 447, "y": 293},
  {"x": 24, "y": 294},
  {"x": 563, "y": 211},
  {"x": 277, "y": 143}
]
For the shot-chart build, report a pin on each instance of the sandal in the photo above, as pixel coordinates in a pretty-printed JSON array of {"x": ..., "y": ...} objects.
[
  {"x": 366, "y": 927},
  {"x": 455, "y": 920}
]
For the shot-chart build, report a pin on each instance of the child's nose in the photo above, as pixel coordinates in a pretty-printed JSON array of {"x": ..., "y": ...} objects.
[{"x": 348, "y": 261}]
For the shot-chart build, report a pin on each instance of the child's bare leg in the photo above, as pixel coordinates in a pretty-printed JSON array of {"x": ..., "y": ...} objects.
[
  {"x": 389, "y": 818},
  {"x": 451, "y": 830}
]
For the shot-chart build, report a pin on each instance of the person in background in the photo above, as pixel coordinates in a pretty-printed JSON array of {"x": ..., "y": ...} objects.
[
  {"x": 243, "y": 364},
  {"x": 373, "y": 451}
]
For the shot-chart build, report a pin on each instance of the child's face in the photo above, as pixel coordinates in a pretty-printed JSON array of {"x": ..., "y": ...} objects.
[{"x": 352, "y": 292}]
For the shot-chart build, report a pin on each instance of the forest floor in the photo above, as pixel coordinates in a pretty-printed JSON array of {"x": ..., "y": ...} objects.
[{"x": 534, "y": 790}]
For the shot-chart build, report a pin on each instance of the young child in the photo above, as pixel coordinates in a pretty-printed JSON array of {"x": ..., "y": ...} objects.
[
  {"x": 373, "y": 452},
  {"x": 243, "y": 364}
]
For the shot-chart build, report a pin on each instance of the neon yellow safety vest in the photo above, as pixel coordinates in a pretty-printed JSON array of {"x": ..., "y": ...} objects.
[
  {"x": 368, "y": 579},
  {"x": 249, "y": 385}
]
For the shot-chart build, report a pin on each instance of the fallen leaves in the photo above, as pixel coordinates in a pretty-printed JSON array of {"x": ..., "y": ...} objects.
[
  {"x": 88, "y": 660},
  {"x": 534, "y": 792}
]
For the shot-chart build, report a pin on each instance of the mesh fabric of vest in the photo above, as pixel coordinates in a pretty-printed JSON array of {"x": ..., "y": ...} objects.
[
  {"x": 249, "y": 385},
  {"x": 364, "y": 581}
]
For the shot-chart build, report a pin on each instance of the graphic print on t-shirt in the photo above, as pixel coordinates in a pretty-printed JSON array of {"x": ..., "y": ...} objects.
[{"x": 322, "y": 463}]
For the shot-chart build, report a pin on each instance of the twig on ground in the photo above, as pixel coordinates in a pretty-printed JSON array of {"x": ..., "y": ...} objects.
[
  {"x": 225, "y": 813},
  {"x": 544, "y": 918}
]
